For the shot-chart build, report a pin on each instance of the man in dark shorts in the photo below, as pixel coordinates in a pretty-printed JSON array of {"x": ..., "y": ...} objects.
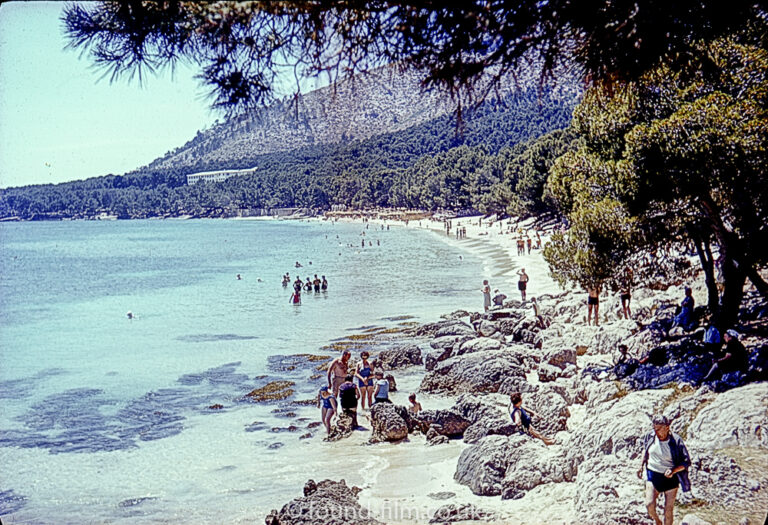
[
  {"x": 348, "y": 396},
  {"x": 735, "y": 356},
  {"x": 665, "y": 468},
  {"x": 522, "y": 283},
  {"x": 593, "y": 302}
]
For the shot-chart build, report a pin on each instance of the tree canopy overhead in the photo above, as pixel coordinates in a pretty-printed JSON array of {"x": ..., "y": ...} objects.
[
  {"x": 243, "y": 48},
  {"x": 668, "y": 161}
]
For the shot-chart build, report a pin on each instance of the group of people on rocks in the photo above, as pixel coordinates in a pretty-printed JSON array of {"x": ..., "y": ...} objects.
[
  {"x": 318, "y": 284},
  {"x": 346, "y": 391},
  {"x": 498, "y": 298}
]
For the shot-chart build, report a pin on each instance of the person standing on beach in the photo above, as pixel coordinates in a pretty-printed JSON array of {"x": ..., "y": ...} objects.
[
  {"x": 529, "y": 243},
  {"x": 337, "y": 371},
  {"x": 522, "y": 283},
  {"x": 329, "y": 407},
  {"x": 486, "y": 289},
  {"x": 593, "y": 302}
]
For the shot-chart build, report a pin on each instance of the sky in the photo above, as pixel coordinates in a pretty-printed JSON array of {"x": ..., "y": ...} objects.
[{"x": 60, "y": 121}]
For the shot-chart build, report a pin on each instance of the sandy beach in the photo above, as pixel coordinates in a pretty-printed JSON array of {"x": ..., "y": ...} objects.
[{"x": 406, "y": 482}]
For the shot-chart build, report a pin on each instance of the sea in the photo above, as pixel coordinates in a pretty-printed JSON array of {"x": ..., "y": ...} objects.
[{"x": 108, "y": 419}]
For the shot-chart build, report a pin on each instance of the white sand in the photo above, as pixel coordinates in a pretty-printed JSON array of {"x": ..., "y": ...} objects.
[{"x": 399, "y": 478}]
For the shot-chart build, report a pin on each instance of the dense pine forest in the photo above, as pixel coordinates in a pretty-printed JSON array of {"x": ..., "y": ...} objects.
[{"x": 496, "y": 160}]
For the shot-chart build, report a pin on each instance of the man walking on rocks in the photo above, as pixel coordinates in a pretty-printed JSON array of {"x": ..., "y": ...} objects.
[{"x": 665, "y": 465}]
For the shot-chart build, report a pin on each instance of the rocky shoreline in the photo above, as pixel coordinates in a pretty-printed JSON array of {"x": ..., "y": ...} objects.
[{"x": 597, "y": 411}]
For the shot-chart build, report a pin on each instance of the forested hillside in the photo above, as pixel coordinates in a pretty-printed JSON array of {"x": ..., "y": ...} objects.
[{"x": 493, "y": 163}]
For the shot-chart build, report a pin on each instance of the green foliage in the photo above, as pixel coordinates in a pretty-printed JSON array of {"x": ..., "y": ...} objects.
[
  {"x": 467, "y": 49},
  {"x": 676, "y": 157}
]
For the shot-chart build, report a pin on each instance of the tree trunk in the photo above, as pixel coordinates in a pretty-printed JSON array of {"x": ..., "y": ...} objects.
[
  {"x": 733, "y": 292},
  {"x": 708, "y": 265}
]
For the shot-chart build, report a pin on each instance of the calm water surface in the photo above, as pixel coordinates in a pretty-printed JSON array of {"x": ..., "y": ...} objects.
[{"x": 106, "y": 419}]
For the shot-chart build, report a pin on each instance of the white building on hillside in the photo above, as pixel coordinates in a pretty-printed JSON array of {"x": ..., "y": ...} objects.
[{"x": 217, "y": 176}]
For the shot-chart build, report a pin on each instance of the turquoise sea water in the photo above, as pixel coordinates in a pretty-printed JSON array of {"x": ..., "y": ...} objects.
[{"x": 106, "y": 419}]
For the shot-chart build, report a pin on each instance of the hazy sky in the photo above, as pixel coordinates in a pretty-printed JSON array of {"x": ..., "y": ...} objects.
[{"x": 59, "y": 121}]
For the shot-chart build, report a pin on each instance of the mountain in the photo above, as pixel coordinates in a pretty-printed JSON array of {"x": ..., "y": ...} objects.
[
  {"x": 374, "y": 141},
  {"x": 383, "y": 101},
  {"x": 358, "y": 108}
]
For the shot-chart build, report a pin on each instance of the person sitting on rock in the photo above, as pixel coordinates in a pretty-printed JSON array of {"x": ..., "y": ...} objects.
[
  {"x": 348, "y": 395},
  {"x": 665, "y": 468},
  {"x": 684, "y": 319},
  {"x": 735, "y": 356},
  {"x": 381, "y": 392},
  {"x": 521, "y": 417},
  {"x": 712, "y": 341},
  {"x": 329, "y": 407},
  {"x": 498, "y": 299},
  {"x": 415, "y": 407},
  {"x": 540, "y": 321}
]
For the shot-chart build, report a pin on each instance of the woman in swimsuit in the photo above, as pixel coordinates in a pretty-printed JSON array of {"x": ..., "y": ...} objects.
[
  {"x": 329, "y": 407},
  {"x": 364, "y": 375}
]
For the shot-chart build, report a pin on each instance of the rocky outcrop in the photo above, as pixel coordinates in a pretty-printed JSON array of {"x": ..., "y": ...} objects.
[
  {"x": 399, "y": 357},
  {"x": 324, "y": 503},
  {"x": 476, "y": 372},
  {"x": 511, "y": 465},
  {"x": 341, "y": 428},
  {"x": 738, "y": 417},
  {"x": 479, "y": 344},
  {"x": 482, "y": 466},
  {"x": 390, "y": 422},
  {"x": 448, "y": 423}
]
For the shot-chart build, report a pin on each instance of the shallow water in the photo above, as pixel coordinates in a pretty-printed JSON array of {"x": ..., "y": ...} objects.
[{"x": 108, "y": 420}]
